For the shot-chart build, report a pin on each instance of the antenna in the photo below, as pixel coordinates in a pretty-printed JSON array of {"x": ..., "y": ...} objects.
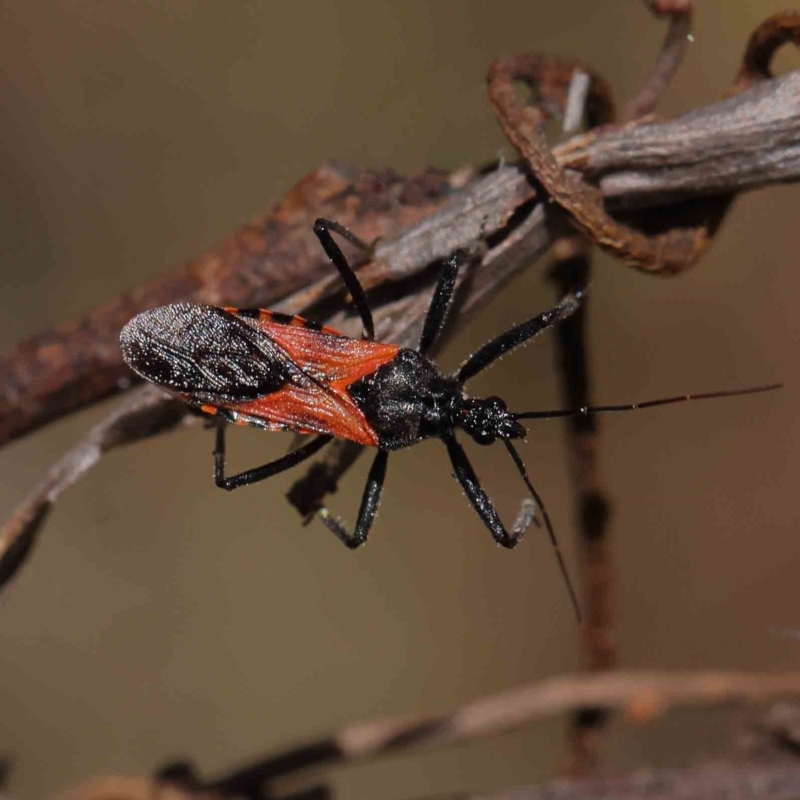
[
  {"x": 663, "y": 401},
  {"x": 538, "y": 500}
]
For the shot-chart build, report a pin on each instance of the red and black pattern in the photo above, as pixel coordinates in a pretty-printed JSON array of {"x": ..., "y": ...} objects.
[
  {"x": 257, "y": 367},
  {"x": 279, "y": 372},
  {"x": 332, "y": 362}
]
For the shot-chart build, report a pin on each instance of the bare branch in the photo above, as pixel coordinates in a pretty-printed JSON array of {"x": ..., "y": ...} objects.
[
  {"x": 640, "y": 696},
  {"x": 145, "y": 412},
  {"x": 761, "y": 767},
  {"x": 669, "y": 59},
  {"x": 499, "y": 207},
  {"x": 67, "y": 368},
  {"x": 722, "y": 781},
  {"x": 742, "y": 143},
  {"x": 571, "y": 272},
  {"x": 745, "y": 145}
]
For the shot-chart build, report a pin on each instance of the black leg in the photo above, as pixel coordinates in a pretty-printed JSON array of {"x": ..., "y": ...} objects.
[
  {"x": 491, "y": 351},
  {"x": 367, "y": 510},
  {"x": 259, "y": 473},
  {"x": 482, "y": 504},
  {"x": 486, "y": 511},
  {"x": 323, "y": 228},
  {"x": 440, "y": 302}
]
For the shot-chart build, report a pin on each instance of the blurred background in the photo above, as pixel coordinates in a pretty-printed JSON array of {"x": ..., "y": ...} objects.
[{"x": 161, "y": 617}]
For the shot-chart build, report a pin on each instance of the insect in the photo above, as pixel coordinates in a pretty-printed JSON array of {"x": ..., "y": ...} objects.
[{"x": 286, "y": 373}]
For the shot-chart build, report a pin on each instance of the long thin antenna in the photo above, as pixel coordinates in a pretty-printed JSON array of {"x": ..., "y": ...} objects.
[
  {"x": 664, "y": 401},
  {"x": 538, "y": 500}
]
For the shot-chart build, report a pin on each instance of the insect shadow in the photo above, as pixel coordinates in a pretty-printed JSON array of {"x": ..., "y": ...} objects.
[{"x": 285, "y": 373}]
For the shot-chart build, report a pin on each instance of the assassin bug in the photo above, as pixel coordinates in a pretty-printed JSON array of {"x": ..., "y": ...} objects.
[{"x": 286, "y": 373}]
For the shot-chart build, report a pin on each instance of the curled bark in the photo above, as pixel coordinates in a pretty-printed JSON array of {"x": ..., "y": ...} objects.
[{"x": 743, "y": 142}]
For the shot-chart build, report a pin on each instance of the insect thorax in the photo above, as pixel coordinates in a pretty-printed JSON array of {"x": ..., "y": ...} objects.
[{"x": 406, "y": 400}]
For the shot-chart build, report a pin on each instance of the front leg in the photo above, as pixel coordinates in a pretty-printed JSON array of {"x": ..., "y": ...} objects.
[
  {"x": 259, "y": 473},
  {"x": 367, "y": 510},
  {"x": 481, "y": 502},
  {"x": 323, "y": 228}
]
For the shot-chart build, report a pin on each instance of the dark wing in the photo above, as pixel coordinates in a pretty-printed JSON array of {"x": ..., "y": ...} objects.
[
  {"x": 205, "y": 353},
  {"x": 263, "y": 369}
]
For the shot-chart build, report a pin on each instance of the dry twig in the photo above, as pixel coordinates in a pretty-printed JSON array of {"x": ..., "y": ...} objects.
[
  {"x": 721, "y": 781},
  {"x": 762, "y": 763},
  {"x": 641, "y": 697},
  {"x": 692, "y": 166},
  {"x": 743, "y": 142},
  {"x": 570, "y": 271},
  {"x": 671, "y": 251},
  {"x": 669, "y": 59}
]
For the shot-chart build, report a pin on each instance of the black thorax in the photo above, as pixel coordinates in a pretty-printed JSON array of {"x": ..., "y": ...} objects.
[{"x": 409, "y": 399}]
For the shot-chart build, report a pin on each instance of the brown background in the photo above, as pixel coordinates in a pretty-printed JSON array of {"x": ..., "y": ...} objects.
[{"x": 161, "y": 617}]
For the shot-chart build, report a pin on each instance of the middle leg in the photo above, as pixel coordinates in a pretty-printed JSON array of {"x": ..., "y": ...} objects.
[{"x": 489, "y": 353}]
